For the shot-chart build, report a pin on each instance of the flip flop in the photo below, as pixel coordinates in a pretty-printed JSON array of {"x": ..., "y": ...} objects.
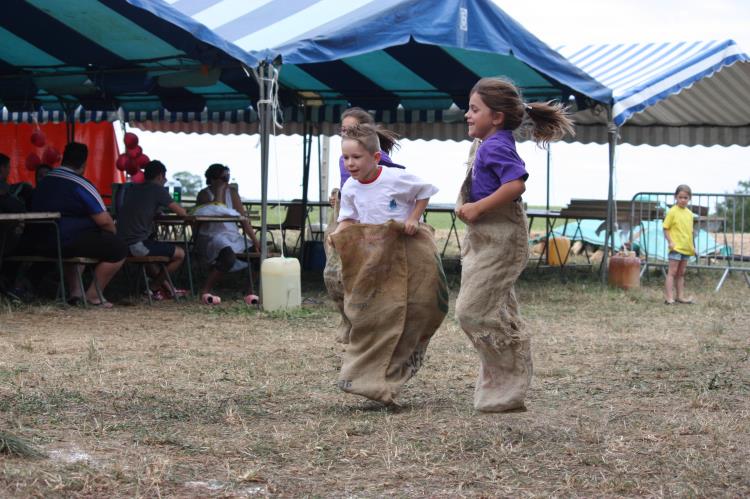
[
  {"x": 667, "y": 302},
  {"x": 689, "y": 301},
  {"x": 209, "y": 299},
  {"x": 101, "y": 304},
  {"x": 75, "y": 301}
]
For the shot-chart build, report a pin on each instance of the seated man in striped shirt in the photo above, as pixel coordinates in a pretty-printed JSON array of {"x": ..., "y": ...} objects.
[{"x": 86, "y": 227}]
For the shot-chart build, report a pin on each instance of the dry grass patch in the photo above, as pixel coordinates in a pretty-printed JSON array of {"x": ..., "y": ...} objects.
[{"x": 629, "y": 398}]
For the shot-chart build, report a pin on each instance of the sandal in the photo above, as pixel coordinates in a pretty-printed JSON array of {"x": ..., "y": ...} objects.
[
  {"x": 667, "y": 302},
  {"x": 689, "y": 301},
  {"x": 209, "y": 299}
]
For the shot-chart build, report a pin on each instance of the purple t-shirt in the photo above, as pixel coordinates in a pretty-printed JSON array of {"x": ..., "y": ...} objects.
[
  {"x": 495, "y": 164},
  {"x": 345, "y": 173}
]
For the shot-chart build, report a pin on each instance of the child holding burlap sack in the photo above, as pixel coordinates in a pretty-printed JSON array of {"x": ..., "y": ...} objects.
[
  {"x": 495, "y": 248},
  {"x": 395, "y": 293}
]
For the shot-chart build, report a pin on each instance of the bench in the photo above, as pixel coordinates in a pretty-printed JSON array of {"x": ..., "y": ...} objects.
[
  {"x": 76, "y": 260},
  {"x": 159, "y": 261}
]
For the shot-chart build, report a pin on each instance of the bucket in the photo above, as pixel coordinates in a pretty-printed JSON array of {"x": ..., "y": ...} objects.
[
  {"x": 280, "y": 283},
  {"x": 624, "y": 272},
  {"x": 557, "y": 250},
  {"x": 314, "y": 255}
]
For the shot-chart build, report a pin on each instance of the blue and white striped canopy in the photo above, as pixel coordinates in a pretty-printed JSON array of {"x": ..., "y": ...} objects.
[
  {"x": 108, "y": 54},
  {"x": 670, "y": 93},
  {"x": 386, "y": 54}
]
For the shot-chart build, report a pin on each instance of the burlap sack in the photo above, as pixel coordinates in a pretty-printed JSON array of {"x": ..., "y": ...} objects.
[
  {"x": 332, "y": 272},
  {"x": 396, "y": 296},
  {"x": 494, "y": 253}
]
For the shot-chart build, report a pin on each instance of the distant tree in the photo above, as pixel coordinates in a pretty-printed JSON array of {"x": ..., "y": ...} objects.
[
  {"x": 734, "y": 210},
  {"x": 191, "y": 183}
]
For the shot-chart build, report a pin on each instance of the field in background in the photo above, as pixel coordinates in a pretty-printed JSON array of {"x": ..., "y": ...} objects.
[{"x": 629, "y": 398}]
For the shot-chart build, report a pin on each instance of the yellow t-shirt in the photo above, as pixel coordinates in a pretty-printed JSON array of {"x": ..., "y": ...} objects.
[{"x": 679, "y": 223}]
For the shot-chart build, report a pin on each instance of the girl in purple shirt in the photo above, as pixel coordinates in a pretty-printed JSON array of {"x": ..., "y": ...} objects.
[{"x": 495, "y": 248}]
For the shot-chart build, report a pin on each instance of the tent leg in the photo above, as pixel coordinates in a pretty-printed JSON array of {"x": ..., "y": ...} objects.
[
  {"x": 264, "y": 77},
  {"x": 721, "y": 281},
  {"x": 609, "y": 238}
]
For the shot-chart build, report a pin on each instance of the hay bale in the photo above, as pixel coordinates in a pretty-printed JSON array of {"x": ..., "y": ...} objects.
[
  {"x": 596, "y": 258},
  {"x": 538, "y": 248}
]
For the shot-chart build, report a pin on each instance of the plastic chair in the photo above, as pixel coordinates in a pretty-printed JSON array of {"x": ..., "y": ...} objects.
[{"x": 296, "y": 219}]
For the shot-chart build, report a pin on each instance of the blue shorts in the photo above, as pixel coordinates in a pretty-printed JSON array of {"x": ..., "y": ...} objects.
[
  {"x": 149, "y": 247},
  {"x": 677, "y": 256}
]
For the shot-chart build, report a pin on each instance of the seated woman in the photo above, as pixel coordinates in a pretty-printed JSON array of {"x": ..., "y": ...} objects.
[{"x": 219, "y": 242}]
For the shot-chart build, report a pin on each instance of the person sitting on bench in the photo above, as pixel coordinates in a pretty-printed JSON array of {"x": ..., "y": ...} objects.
[
  {"x": 135, "y": 225},
  {"x": 86, "y": 227}
]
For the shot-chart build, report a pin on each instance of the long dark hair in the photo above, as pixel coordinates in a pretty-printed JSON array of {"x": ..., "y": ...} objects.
[
  {"x": 549, "y": 121},
  {"x": 388, "y": 139}
]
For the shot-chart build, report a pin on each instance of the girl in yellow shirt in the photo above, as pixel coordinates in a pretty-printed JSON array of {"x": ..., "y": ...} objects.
[{"x": 678, "y": 230}]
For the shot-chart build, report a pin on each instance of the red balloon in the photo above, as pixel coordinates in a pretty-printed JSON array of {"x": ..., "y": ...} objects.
[
  {"x": 51, "y": 156},
  {"x": 132, "y": 168},
  {"x": 122, "y": 162},
  {"x": 138, "y": 178},
  {"x": 135, "y": 152},
  {"x": 32, "y": 161},
  {"x": 38, "y": 139},
  {"x": 131, "y": 140},
  {"x": 142, "y": 161}
]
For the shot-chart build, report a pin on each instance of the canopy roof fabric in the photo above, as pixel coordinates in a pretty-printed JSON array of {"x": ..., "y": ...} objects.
[
  {"x": 690, "y": 93},
  {"x": 108, "y": 54},
  {"x": 382, "y": 54}
]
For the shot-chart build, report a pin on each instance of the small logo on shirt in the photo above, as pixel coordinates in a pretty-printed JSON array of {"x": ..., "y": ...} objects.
[{"x": 392, "y": 205}]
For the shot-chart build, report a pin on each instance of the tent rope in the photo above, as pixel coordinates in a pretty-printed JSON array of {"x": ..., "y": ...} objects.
[{"x": 272, "y": 99}]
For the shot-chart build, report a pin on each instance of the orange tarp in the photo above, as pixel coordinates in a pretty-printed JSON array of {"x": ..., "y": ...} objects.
[{"x": 15, "y": 142}]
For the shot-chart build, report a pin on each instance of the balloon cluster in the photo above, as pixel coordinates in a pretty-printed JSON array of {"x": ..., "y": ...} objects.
[
  {"x": 50, "y": 156},
  {"x": 132, "y": 160}
]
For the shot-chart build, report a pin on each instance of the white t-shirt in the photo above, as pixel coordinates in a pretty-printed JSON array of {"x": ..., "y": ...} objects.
[{"x": 391, "y": 196}]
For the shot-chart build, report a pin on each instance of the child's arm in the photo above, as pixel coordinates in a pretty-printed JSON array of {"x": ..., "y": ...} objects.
[
  {"x": 505, "y": 194},
  {"x": 669, "y": 239},
  {"x": 412, "y": 223}
]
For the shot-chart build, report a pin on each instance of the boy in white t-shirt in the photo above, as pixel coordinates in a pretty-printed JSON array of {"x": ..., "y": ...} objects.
[{"x": 374, "y": 194}]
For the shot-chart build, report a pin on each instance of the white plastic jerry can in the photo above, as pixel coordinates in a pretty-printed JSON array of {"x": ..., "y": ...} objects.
[{"x": 281, "y": 283}]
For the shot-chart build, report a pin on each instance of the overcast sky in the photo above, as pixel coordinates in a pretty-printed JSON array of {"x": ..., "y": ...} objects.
[{"x": 579, "y": 171}]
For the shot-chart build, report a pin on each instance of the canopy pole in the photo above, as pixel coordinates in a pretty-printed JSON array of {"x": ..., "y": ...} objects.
[
  {"x": 323, "y": 148},
  {"x": 549, "y": 162},
  {"x": 265, "y": 110},
  {"x": 306, "y": 156},
  {"x": 609, "y": 237}
]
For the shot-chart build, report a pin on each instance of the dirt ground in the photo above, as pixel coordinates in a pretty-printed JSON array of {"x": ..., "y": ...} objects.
[{"x": 630, "y": 398}]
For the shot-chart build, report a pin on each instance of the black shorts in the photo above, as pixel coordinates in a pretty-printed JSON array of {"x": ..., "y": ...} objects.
[
  {"x": 150, "y": 247},
  {"x": 101, "y": 245}
]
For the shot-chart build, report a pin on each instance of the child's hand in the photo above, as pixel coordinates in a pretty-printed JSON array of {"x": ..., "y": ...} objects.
[
  {"x": 469, "y": 213},
  {"x": 411, "y": 227},
  {"x": 671, "y": 246}
]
